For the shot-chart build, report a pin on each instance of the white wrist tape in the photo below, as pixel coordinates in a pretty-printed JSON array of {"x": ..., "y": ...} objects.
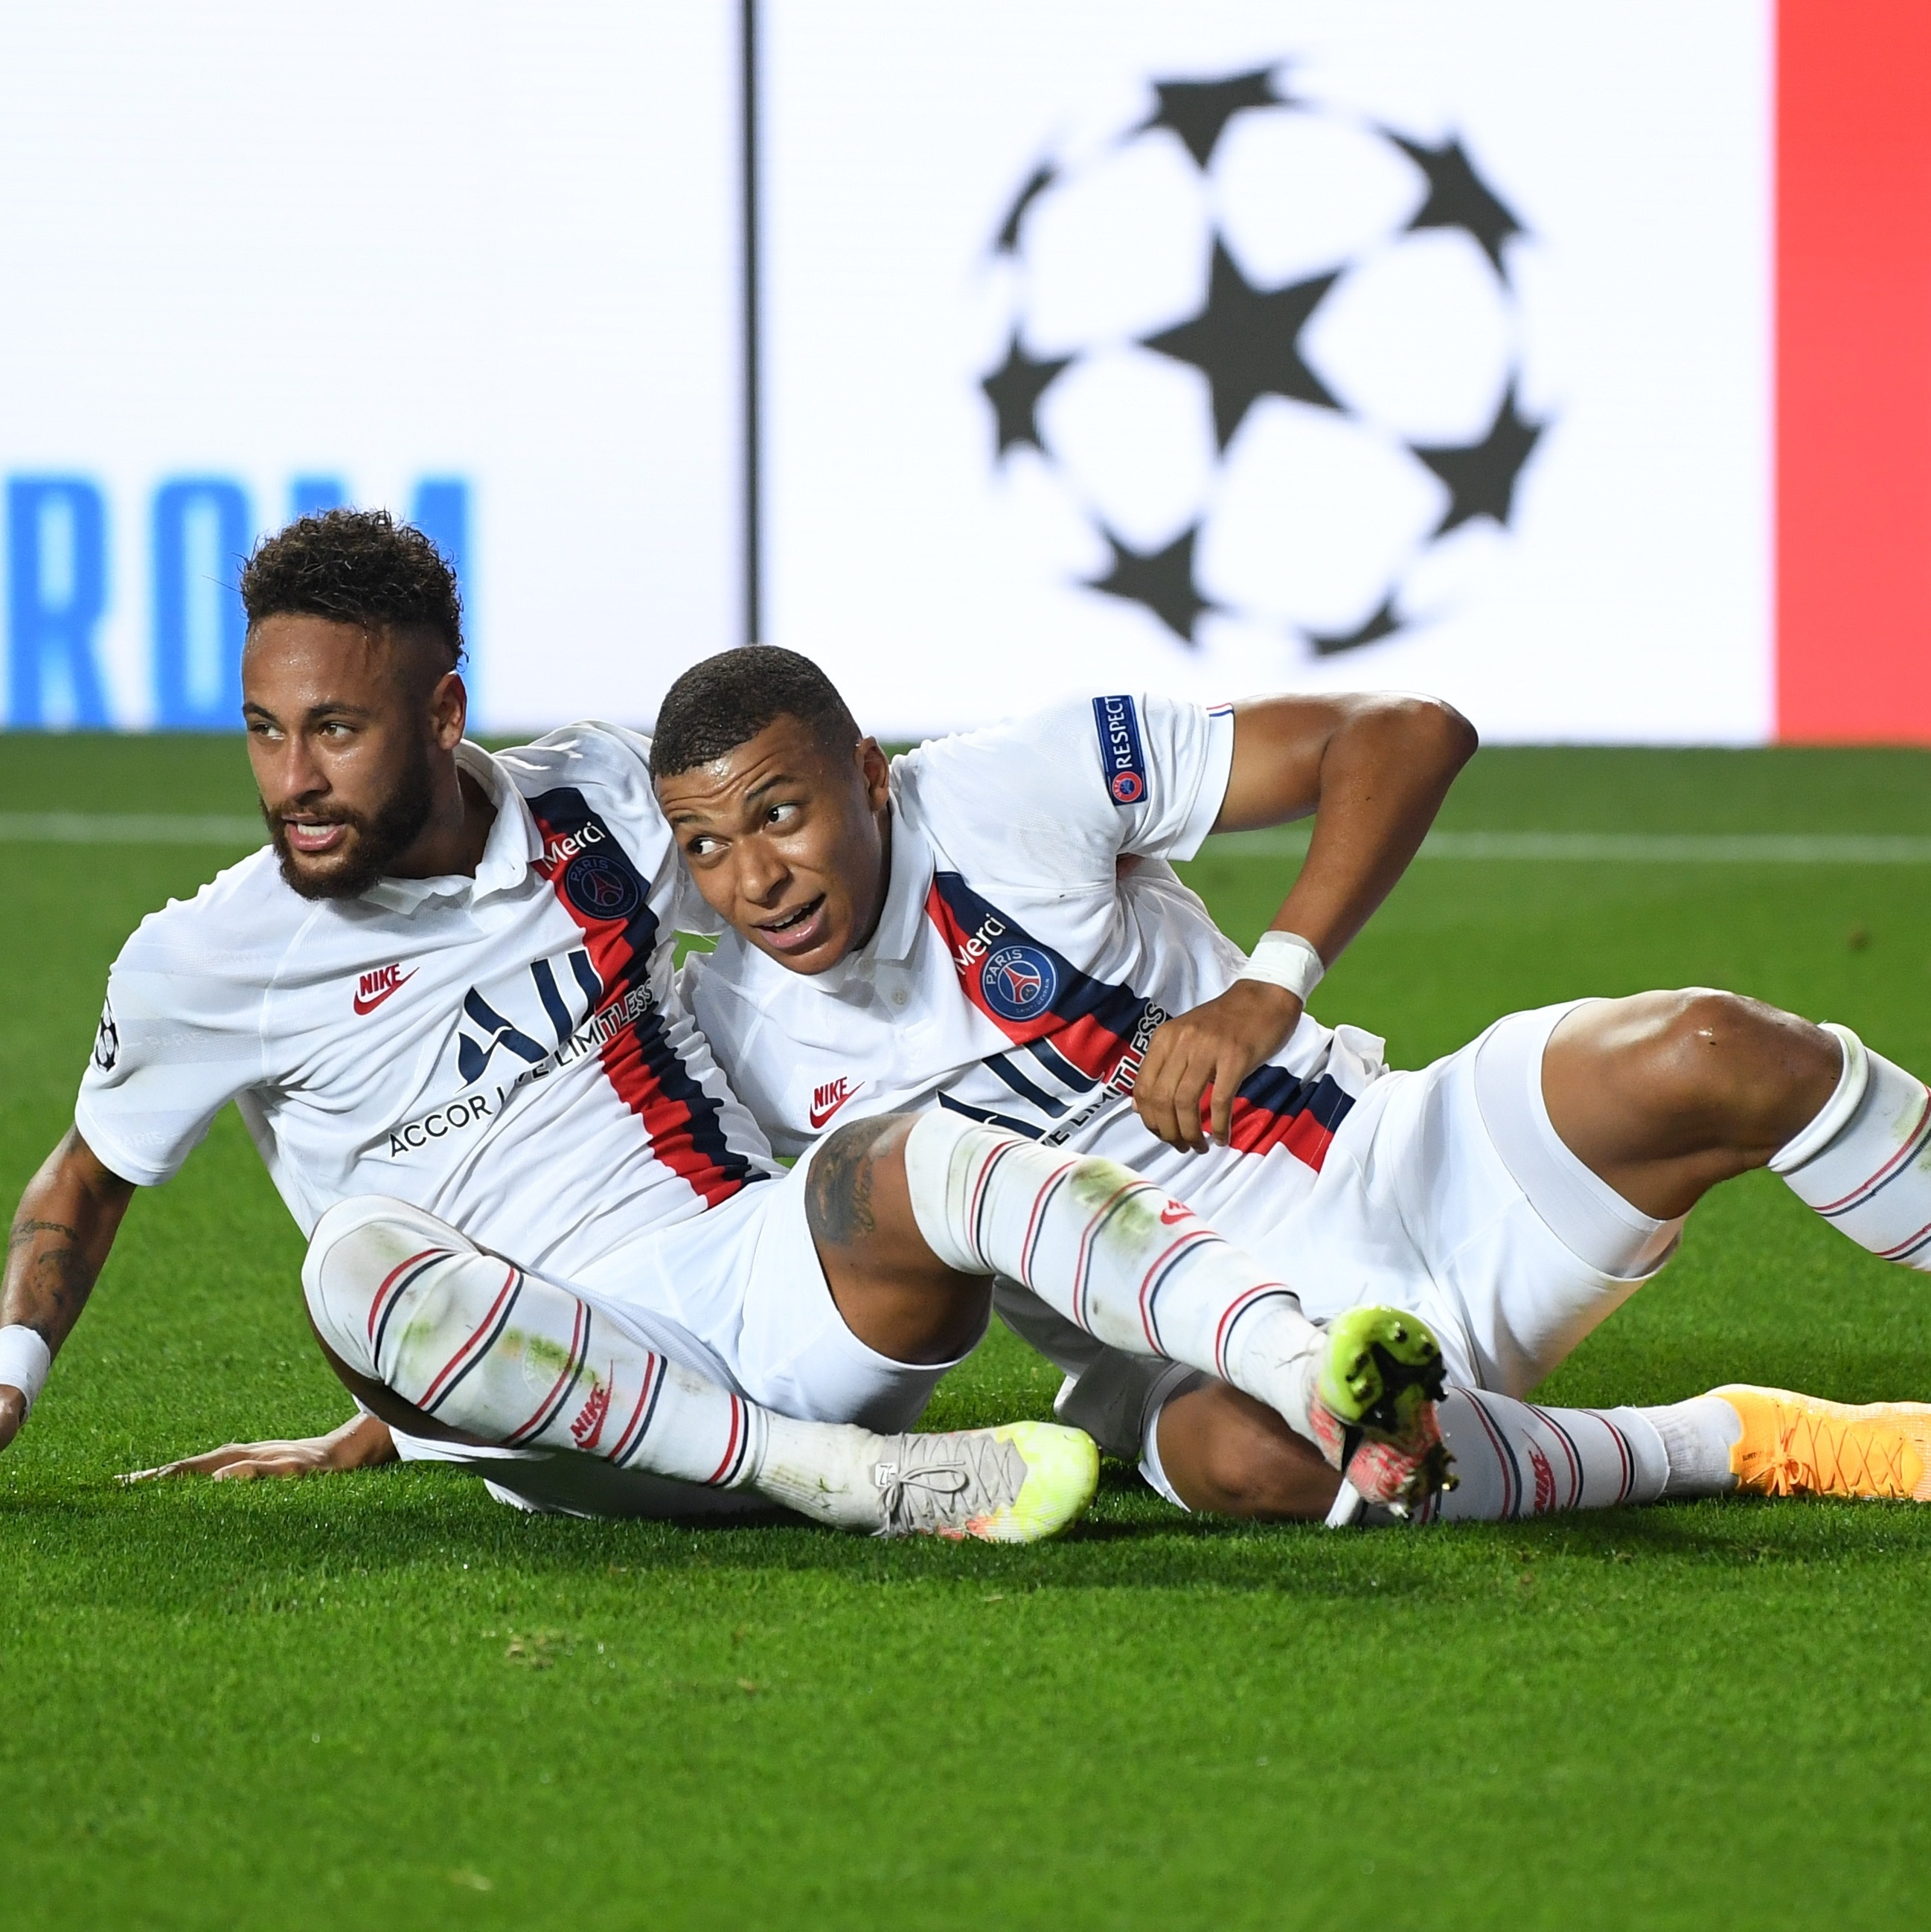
[
  {"x": 24, "y": 1362},
  {"x": 1286, "y": 959}
]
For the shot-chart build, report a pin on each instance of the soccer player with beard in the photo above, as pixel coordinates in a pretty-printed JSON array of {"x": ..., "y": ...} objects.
[{"x": 539, "y": 1221}]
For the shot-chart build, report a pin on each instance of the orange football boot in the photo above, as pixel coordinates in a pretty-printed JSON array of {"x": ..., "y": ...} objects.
[{"x": 1796, "y": 1444}]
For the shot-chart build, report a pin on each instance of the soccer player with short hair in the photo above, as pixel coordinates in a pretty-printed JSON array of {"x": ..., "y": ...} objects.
[
  {"x": 988, "y": 927},
  {"x": 539, "y": 1221}
]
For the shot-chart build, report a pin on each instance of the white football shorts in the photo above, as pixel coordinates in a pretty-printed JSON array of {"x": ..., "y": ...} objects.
[{"x": 1446, "y": 1192}]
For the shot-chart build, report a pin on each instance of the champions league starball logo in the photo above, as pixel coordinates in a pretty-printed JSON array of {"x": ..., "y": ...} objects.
[{"x": 1262, "y": 365}]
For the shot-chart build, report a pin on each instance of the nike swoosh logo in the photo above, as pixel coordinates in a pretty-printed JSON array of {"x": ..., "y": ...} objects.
[
  {"x": 818, "y": 1119},
  {"x": 363, "y": 1006},
  {"x": 1173, "y": 1214}
]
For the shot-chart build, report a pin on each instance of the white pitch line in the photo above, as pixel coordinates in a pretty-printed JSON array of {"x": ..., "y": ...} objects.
[
  {"x": 1642, "y": 848},
  {"x": 155, "y": 828}
]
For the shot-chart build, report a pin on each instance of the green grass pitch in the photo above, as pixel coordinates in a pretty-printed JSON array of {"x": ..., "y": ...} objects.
[{"x": 382, "y": 1700}]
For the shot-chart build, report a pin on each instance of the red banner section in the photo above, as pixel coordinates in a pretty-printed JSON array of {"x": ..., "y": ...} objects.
[{"x": 1853, "y": 371}]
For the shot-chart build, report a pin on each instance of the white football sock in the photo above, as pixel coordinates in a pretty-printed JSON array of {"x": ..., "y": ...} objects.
[
  {"x": 1862, "y": 1162},
  {"x": 1517, "y": 1458},
  {"x": 504, "y": 1356},
  {"x": 1113, "y": 1254}
]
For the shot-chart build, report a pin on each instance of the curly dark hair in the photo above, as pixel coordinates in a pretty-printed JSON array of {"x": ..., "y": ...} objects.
[
  {"x": 360, "y": 567},
  {"x": 717, "y": 705}
]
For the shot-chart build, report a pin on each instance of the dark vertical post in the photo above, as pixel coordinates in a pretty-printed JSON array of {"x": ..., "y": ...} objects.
[{"x": 753, "y": 592}]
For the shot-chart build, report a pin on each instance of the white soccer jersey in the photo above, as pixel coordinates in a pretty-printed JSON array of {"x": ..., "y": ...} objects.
[
  {"x": 508, "y": 1051},
  {"x": 1033, "y": 936}
]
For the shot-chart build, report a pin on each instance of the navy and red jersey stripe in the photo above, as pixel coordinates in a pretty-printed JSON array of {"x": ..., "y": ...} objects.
[
  {"x": 1099, "y": 1030},
  {"x": 1276, "y": 1109},
  {"x": 1089, "y": 1022},
  {"x": 685, "y": 1125}
]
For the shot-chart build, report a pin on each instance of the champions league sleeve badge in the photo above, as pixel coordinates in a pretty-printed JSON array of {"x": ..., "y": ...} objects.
[
  {"x": 1118, "y": 722},
  {"x": 106, "y": 1038}
]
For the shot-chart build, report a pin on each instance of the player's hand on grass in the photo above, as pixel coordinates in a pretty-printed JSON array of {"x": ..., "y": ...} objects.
[
  {"x": 244, "y": 1462},
  {"x": 358, "y": 1445},
  {"x": 1211, "y": 1049}
]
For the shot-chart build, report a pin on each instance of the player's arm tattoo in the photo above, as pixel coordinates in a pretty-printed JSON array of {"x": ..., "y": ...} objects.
[
  {"x": 62, "y": 1232},
  {"x": 838, "y": 1201},
  {"x": 48, "y": 1267}
]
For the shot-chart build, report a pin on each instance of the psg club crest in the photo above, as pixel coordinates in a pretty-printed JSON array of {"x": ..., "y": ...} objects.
[
  {"x": 1259, "y": 364},
  {"x": 1019, "y": 982},
  {"x": 600, "y": 886}
]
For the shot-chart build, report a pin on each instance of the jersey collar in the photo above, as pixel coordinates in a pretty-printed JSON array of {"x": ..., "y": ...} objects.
[
  {"x": 905, "y": 892},
  {"x": 514, "y": 844}
]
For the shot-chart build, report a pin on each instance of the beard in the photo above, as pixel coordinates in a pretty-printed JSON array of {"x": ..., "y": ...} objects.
[{"x": 377, "y": 839}]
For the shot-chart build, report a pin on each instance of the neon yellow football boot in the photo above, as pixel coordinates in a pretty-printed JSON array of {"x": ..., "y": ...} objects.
[
  {"x": 1795, "y": 1444},
  {"x": 1376, "y": 1395},
  {"x": 1019, "y": 1482}
]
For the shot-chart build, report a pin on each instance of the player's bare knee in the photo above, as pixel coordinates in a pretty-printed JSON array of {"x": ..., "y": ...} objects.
[
  {"x": 1753, "y": 1073},
  {"x": 842, "y": 1200},
  {"x": 1282, "y": 1482},
  {"x": 1247, "y": 1474},
  {"x": 1226, "y": 1453}
]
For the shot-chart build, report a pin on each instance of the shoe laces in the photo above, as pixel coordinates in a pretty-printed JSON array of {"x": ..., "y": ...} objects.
[
  {"x": 1820, "y": 1454},
  {"x": 924, "y": 1482}
]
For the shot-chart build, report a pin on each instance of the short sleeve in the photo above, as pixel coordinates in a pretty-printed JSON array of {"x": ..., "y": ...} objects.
[
  {"x": 1060, "y": 796},
  {"x": 637, "y": 743},
  {"x": 1165, "y": 765},
  {"x": 173, "y": 1048}
]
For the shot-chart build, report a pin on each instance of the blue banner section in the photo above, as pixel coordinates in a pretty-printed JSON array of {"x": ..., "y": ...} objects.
[
  {"x": 56, "y": 592},
  {"x": 309, "y": 496},
  {"x": 60, "y": 542},
  {"x": 441, "y": 512},
  {"x": 202, "y": 528}
]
